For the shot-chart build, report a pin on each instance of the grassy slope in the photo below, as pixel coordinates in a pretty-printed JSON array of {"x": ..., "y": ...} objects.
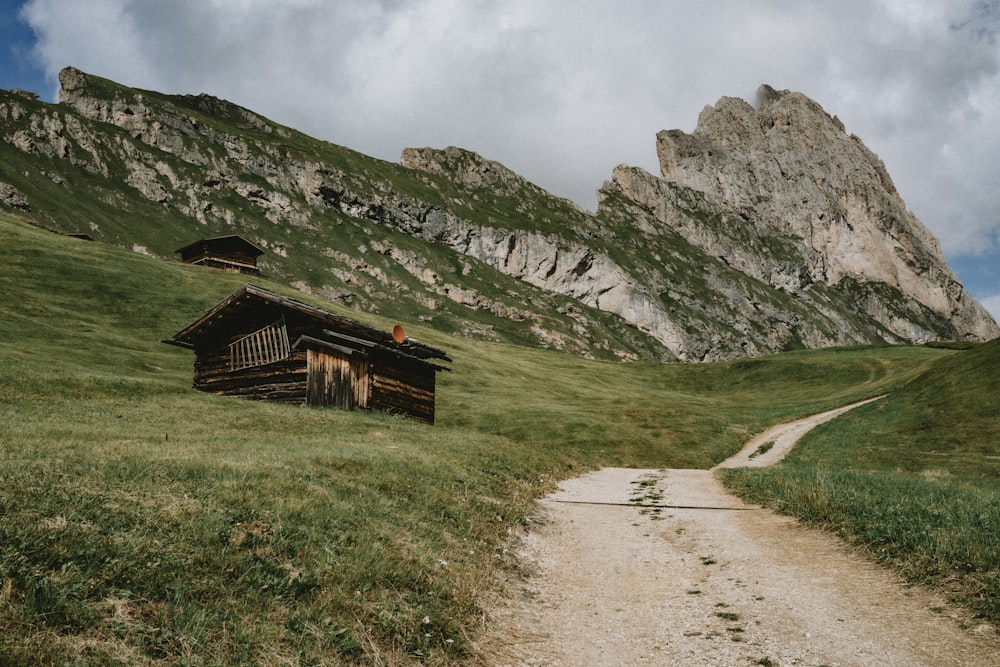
[
  {"x": 67, "y": 197},
  {"x": 914, "y": 478},
  {"x": 62, "y": 179},
  {"x": 144, "y": 521}
]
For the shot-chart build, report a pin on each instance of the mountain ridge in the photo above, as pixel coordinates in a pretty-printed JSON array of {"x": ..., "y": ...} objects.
[{"x": 692, "y": 265}]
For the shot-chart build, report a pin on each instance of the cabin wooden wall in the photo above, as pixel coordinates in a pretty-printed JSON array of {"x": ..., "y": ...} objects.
[
  {"x": 321, "y": 377},
  {"x": 284, "y": 380},
  {"x": 238, "y": 256},
  {"x": 337, "y": 380},
  {"x": 232, "y": 263},
  {"x": 401, "y": 386}
]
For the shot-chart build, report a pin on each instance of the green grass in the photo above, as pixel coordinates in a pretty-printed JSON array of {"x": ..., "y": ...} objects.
[
  {"x": 145, "y": 522},
  {"x": 914, "y": 479}
]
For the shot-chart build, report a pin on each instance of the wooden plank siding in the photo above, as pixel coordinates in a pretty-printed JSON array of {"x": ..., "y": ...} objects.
[
  {"x": 230, "y": 253},
  {"x": 337, "y": 380},
  {"x": 284, "y": 380},
  {"x": 228, "y": 264},
  {"x": 404, "y": 388},
  {"x": 260, "y": 345}
]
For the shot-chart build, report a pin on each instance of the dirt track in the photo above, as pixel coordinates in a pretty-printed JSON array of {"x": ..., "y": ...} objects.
[{"x": 664, "y": 567}]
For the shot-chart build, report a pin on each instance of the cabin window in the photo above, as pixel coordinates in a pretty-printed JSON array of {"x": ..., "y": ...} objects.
[{"x": 264, "y": 346}]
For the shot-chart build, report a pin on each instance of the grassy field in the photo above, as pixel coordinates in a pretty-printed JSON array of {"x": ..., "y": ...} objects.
[
  {"x": 146, "y": 523},
  {"x": 914, "y": 479}
]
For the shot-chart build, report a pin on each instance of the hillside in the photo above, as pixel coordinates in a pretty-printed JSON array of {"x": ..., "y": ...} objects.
[
  {"x": 913, "y": 479},
  {"x": 148, "y": 522},
  {"x": 723, "y": 255}
]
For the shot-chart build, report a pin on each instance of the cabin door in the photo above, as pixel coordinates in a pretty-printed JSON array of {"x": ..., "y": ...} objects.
[{"x": 337, "y": 380}]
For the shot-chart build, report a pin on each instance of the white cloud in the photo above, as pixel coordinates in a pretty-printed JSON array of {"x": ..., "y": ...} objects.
[
  {"x": 562, "y": 91},
  {"x": 992, "y": 304}
]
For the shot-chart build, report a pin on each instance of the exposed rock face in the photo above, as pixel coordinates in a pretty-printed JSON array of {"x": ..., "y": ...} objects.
[
  {"x": 467, "y": 168},
  {"x": 811, "y": 204},
  {"x": 477, "y": 173},
  {"x": 552, "y": 262},
  {"x": 768, "y": 228},
  {"x": 11, "y": 196}
]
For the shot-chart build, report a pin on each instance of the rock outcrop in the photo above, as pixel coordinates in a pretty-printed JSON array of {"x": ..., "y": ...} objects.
[
  {"x": 14, "y": 198},
  {"x": 787, "y": 197},
  {"x": 768, "y": 228}
]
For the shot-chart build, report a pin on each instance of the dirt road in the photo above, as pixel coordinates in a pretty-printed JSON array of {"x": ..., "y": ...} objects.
[{"x": 664, "y": 567}]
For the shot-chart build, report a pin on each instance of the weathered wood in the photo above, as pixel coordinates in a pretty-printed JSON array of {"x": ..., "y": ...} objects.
[
  {"x": 334, "y": 361},
  {"x": 337, "y": 380},
  {"x": 406, "y": 388},
  {"x": 213, "y": 375},
  {"x": 281, "y": 393},
  {"x": 230, "y": 253}
]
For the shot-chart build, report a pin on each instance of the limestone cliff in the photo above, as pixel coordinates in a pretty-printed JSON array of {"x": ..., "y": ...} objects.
[
  {"x": 768, "y": 229},
  {"x": 786, "y": 175}
]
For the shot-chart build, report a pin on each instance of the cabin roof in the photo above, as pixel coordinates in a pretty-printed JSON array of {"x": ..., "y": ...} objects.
[
  {"x": 233, "y": 308},
  {"x": 229, "y": 240}
]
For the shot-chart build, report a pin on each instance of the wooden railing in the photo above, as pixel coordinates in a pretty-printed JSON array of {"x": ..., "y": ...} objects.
[{"x": 264, "y": 346}]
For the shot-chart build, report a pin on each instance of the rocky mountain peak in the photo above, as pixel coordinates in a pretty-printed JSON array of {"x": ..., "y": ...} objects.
[
  {"x": 787, "y": 170},
  {"x": 768, "y": 228},
  {"x": 473, "y": 171},
  {"x": 465, "y": 167},
  {"x": 71, "y": 81}
]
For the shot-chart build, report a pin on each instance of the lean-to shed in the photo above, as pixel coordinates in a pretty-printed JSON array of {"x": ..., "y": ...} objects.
[
  {"x": 230, "y": 253},
  {"x": 259, "y": 344}
]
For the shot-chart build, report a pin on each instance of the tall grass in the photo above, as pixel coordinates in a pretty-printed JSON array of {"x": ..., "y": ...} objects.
[
  {"x": 914, "y": 478},
  {"x": 232, "y": 532},
  {"x": 143, "y": 522}
]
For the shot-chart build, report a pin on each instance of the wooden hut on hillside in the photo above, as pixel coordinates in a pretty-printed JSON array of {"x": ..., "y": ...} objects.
[
  {"x": 230, "y": 253},
  {"x": 261, "y": 345}
]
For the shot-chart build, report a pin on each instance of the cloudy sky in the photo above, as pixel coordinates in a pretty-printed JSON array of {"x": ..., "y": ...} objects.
[{"x": 561, "y": 91}]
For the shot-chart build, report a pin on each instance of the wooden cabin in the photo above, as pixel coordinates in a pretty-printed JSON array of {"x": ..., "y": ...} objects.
[
  {"x": 262, "y": 345},
  {"x": 229, "y": 253}
]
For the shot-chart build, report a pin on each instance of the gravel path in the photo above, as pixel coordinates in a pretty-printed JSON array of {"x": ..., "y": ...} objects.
[{"x": 664, "y": 567}]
